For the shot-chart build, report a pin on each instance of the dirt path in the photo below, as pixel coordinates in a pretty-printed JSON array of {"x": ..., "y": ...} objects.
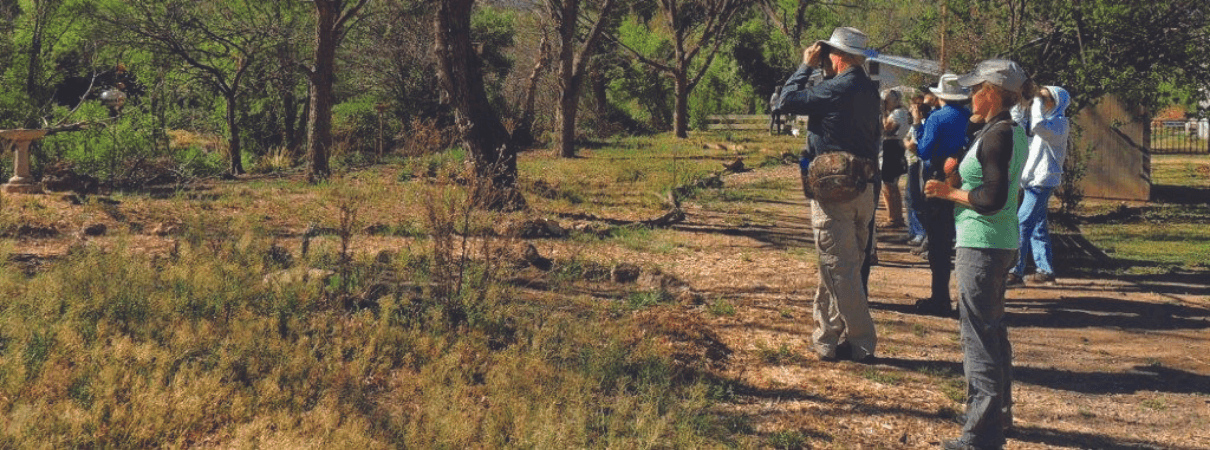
[{"x": 1099, "y": 364}]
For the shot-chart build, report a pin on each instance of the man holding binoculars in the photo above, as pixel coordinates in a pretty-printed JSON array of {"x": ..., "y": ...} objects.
[{"x": 840, "y": 176}]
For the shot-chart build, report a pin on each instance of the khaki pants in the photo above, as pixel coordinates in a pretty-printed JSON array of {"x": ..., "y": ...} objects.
[{"x": 841, "y": 310}]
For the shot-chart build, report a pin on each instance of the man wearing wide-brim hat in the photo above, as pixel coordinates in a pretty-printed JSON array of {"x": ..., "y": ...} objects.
[
  {"x": 942, "y": 136},
  {"x": 843, "y": 136}
]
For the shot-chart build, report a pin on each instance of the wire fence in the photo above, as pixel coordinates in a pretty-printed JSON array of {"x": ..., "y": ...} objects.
[{"x": 1180, "y": 136}]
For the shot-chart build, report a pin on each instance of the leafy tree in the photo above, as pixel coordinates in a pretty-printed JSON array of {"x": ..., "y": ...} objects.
[
  {"x": 332, "y": 19},
  {"x": 218, "y": 41},
  {"x": 1098, "y": 47},
  {"x": 697, "y": 29},
  {"x": 574, "y": 54}
]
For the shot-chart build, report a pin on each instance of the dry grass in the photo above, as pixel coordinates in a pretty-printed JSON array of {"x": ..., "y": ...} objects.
[{"x": 421, "y": 328}]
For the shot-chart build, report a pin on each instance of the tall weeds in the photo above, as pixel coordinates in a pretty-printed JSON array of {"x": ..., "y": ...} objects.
[{"x": 124, "y": 349}]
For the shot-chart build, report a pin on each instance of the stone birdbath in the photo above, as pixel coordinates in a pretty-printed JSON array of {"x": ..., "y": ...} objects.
[{"x": 22, "y": 182}]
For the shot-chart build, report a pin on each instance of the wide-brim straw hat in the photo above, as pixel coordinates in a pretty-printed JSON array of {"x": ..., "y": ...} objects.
[
  {"x": 1000, "y": 72},
  {"x": 948, "y": 89},
  {"x": 849, "y": 40}
]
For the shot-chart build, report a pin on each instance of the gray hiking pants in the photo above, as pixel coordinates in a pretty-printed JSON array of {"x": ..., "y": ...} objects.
[
  {"x": 842, "y": 234},
  {"x": 987, "y": 355}
]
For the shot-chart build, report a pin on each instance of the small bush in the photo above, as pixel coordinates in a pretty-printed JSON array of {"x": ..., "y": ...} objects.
[
  {"x": 788, "y": 440},
  {"x": 646, "y": 299},
  {"x": 721, "y": 307}
]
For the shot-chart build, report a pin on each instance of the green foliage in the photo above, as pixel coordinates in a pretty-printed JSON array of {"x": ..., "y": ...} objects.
[
  {"x": 355, "y": 124},
  {"x": 91, "y": 347},
  {"x": 721, "y": 307},
  {"x": 788, "y": 440},
  {"x": 646, "y": 299},
  {"x": 763, "y": 57},
  {"x": 722, "y": 91},
  {"x": 493, "y": 30}
]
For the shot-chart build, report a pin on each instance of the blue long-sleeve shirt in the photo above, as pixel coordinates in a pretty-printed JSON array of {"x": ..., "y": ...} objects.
[
  {"x": 942, "y": 136},
  {"x": 843, "y": 112}
]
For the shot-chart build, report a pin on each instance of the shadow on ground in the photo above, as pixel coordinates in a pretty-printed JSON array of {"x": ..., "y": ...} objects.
[
  {"x": 1101, "y": 312},
  {"x": 1153, "y": 378}
]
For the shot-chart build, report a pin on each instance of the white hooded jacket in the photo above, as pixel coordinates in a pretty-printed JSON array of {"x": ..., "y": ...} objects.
[{"x": 1048, "y": 147}]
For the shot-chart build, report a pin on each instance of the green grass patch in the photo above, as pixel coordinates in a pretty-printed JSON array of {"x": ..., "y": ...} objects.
[
  {"x": 882, "y": 376},
  {"x": 954, "y": 389},
  {"x": 788, "y": 440},
  {"x": 644, "y": 238},
  {"x": 782, "y": 354},
  {"x": 1155, "y": 404},
  {"x": 721, "y": 307},
  {"x": 647, "y": 299},
  {"x": 1173, "y": 244}
]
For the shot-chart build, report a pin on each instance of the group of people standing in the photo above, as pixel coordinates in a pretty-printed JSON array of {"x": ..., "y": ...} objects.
[{"x": 970, "y": 153}]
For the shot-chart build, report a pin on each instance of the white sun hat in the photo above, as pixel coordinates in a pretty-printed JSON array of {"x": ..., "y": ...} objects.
[{"x": 948, "y": 89}]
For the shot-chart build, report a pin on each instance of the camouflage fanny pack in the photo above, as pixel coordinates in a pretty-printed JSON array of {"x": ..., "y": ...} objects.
[{"x": 838, "y": 177}]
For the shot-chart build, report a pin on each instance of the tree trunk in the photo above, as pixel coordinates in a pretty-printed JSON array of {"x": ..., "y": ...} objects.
[
  {"x": 600, "y": 92},
  {"x": 322, "y": 79},
  {"x": 482, "y": 132},
  {"x": 289, "y": 119},
  {"x": 35, "y": 53},
  {"x": 680, "y": 115},
  {"x": 570, "y": 10},
  {"x": 233, "y": 141},
  {"x": 523, "y": 134}
]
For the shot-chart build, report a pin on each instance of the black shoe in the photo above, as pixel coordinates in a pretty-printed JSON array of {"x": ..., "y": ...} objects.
[
  {"x": 844, "y": 351},
  {"x": 931, "y": 307}
]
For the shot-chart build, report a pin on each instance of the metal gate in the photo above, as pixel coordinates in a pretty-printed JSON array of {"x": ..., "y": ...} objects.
[{"x": 1180, "y": 136}]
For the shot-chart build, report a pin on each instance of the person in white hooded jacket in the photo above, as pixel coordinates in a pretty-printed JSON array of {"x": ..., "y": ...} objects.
[{"x": 1042, "y": 173}]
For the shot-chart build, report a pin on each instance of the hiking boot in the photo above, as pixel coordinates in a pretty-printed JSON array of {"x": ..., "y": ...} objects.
[
  {"x": 1040, "y": 278},
  {"x": 1013, "y": 280},
  {"x": 932, "y": 307},
  {"x": 844, "y": 352}
]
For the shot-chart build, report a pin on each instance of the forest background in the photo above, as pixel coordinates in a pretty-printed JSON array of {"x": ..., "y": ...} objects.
[{"x": 267, "y": 86}]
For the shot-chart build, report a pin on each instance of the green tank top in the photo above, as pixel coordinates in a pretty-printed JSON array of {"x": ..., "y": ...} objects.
[{"x": 999, "y": 230}]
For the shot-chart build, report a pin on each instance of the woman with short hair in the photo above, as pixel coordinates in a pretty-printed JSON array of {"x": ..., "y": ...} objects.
[{"x": 985, "y": 217}]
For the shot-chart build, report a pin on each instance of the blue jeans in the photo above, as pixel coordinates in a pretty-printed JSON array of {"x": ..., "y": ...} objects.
[
  {"x": 914, "y": 201},
  {"x": 987, "y": 355},
  {"x": 1035, "y": 237}
]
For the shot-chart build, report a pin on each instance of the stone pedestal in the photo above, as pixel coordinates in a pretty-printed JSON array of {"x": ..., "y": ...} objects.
[{"x": 21, "y": 182}]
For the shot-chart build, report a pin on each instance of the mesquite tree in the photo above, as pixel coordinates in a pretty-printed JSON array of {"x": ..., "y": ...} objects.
[
  {"x": 218, "y": 41},
  {"x": 331, "y": 23},
  {"x": 573, "y": 62},
  {"x": 698, "y": 28}
]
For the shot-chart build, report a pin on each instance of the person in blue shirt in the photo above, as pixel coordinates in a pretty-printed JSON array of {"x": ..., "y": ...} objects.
[
  {"x": 942, "y": 136},
  {"x": 843, "y": 116}
]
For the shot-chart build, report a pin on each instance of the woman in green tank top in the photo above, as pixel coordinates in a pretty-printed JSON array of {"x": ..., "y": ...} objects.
[{"x": 985, "y": 216}]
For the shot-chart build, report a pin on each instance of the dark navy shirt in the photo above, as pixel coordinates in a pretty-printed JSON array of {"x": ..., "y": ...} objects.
[{"x": 843, "y": 112}]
